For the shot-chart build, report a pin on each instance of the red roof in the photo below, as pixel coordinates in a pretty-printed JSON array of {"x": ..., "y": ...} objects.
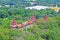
[
  {"x": 32, "y": 18},
  {"x": 46, "y": 17},
  {"x": 20, "y": 25},
  {"x": 29, "y": 22},
  {"x": 14, "y": 22}
]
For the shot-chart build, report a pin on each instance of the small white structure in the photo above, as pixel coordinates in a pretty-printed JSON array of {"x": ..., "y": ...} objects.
[{"x": 7, "y": 5}]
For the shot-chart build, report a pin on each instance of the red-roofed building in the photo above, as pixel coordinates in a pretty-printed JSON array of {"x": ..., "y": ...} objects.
[
  {"x": 20, "y": 25},
  {"x": 46, "y": 18},
  {"x": 32, "y": 18},
  {"x": 14, "y": 24},
  {"x": 29, "y": 22}
]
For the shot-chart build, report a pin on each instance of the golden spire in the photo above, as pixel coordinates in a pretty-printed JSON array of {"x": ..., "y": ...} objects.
[
  {"x": 56, "y": 5},
  {"x": 55, "y": 8}
]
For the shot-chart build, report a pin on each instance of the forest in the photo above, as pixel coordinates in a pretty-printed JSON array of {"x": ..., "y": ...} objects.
[{"x": 41, "y": 30}]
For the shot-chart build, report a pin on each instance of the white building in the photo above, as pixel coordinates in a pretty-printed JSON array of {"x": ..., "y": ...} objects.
[
  {"x": 37, "y": 7},
  {"x": 7, "y": 5}
]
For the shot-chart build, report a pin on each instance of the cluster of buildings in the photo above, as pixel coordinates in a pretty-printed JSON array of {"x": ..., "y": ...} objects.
[{"x": 25, "y": 24}]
